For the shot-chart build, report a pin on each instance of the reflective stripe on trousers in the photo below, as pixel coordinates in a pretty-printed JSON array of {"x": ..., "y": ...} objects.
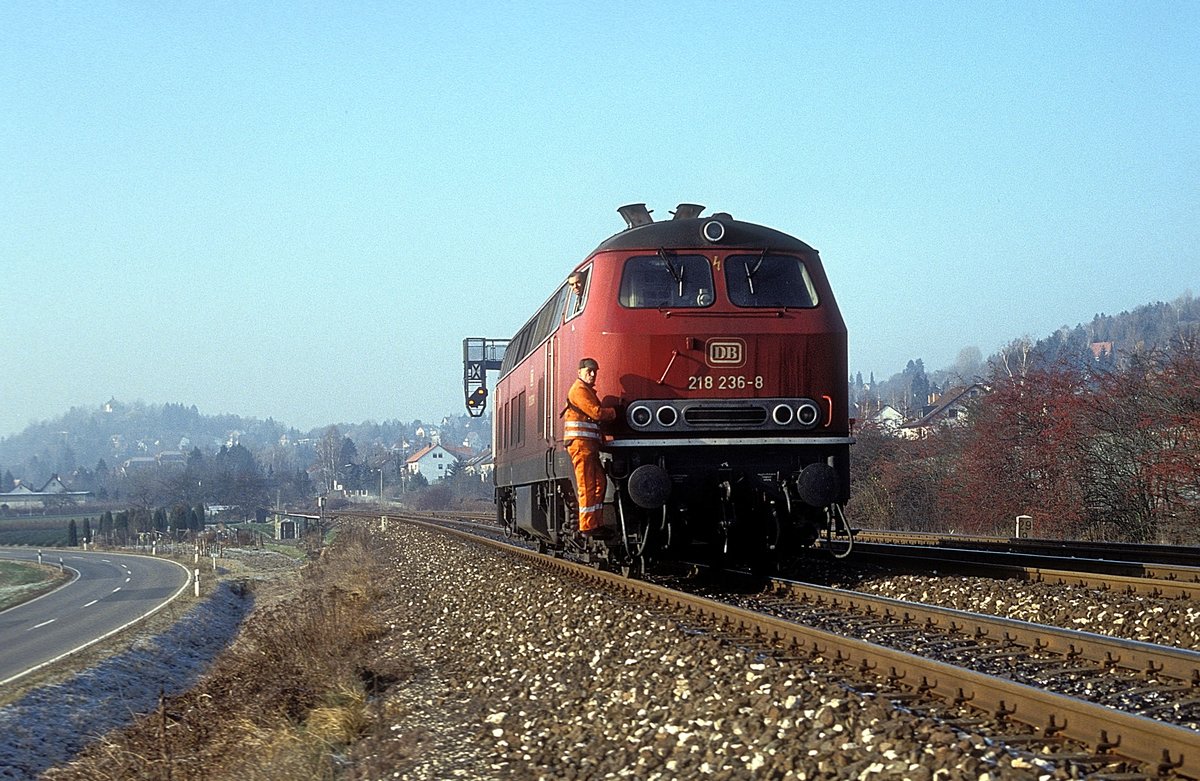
[{"x": 590, "y": 482}]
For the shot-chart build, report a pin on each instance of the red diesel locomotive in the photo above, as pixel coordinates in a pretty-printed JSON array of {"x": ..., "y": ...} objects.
[{"x": 723, "y": 350}]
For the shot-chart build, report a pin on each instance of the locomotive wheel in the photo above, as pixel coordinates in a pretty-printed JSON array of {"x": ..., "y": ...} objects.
[
  {"x": 635, "y": 568},
  {"x": 765, "y": 565}
]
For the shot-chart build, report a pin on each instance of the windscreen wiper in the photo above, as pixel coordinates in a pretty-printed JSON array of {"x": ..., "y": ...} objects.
[
  {"x": 750, "y": 272},
  {"x": 677, "y": 273}
]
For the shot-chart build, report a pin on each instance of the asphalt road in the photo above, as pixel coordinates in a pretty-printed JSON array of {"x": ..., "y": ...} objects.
[{"x": 111, "y": 591}]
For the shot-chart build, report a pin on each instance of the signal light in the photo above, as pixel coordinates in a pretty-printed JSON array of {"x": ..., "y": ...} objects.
[{"x": 478, "y": 398}]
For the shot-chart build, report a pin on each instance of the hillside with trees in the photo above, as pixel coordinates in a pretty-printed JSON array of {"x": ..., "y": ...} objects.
[
  {"x": 1106, "y": 338},
  {"x": 1094, "y": 431},
  {"x": 161, "y": 456}
]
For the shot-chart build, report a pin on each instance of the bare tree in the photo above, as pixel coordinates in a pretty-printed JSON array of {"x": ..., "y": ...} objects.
[{"x": 329, "y": 448}]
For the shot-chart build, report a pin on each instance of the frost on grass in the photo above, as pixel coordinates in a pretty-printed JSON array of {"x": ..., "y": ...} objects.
[{"x": 52, "y": 724}]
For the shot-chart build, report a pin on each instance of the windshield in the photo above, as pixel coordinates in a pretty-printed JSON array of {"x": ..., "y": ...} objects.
[
  {"x": 765, "y": 280},
  {"x": 666, "y": 280}
]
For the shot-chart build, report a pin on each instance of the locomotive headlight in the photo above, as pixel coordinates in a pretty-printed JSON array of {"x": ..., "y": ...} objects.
[
  {"x": 640, "y": 416},
  {"x": 667, "y": 416},
  {"x": 782, "y": 414},
  {"x": 713, "y": 231},
  {"x": 808, "y": 413}
]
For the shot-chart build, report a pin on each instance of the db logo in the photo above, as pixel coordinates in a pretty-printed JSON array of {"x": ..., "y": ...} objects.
[{"x": 726, "y": 352}]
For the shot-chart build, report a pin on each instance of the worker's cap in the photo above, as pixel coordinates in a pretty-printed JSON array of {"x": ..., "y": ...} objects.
[{"x": 589, "y": 363}]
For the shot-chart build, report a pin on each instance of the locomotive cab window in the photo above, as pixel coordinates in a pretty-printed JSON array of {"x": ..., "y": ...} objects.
[
  {"x": 577, "y": 286},
  {"x": 666, "y": 281},
  {"x": 766, "y": 280}
]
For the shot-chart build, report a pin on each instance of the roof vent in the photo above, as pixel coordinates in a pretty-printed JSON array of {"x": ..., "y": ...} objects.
[
  {"x": 687, "y": 211},
  {"x": 635, "y": 214}
]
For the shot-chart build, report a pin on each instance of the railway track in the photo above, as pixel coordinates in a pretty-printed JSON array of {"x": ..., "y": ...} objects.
[
  {"x": 1172, "y": 581},
  {"x": 1186, "y": 556},
  {"x": 1085, "y": 698}
]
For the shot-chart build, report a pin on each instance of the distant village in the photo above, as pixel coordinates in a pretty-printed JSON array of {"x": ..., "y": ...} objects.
[
  {"x": 255, "y": 463},
  {"x": 424, "y": 458}
]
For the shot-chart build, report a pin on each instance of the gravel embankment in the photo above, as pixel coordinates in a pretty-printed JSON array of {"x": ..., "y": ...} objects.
[
  {"x": 1158, "y": 620},
  {"x": 521, "y": 674},
  {"x": 524, "y": 675}
]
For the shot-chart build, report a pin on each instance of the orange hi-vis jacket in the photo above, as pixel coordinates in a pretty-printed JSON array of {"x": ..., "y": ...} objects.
[{"x": 581, "y": 429}]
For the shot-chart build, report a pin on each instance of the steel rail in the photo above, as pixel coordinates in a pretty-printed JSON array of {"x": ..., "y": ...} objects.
[
  {"x": 1133, "y": 578},
  {"x": 1187, "y": 557},
  {"x": 1164, "y": 747},
  {"x": 1179, "y": 664}
]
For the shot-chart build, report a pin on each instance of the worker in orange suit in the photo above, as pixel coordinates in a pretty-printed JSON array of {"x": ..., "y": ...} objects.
[{"x": 581, "y": 429}]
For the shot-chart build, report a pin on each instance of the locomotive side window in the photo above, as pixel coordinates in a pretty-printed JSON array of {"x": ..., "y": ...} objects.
[
  {"x": 534, "y": 332},
  {"x": 549, "y": 316},
  {"x": 666, "y": 281},
  {"x": 764, "y": 280},
  {"x": 517, "y": 348}
]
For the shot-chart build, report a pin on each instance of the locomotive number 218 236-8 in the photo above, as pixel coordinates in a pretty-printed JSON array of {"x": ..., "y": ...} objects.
[{"x": 725, "y": 382}]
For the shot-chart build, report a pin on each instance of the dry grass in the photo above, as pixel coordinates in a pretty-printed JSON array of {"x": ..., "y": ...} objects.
[{"x": 294, "y": 693}]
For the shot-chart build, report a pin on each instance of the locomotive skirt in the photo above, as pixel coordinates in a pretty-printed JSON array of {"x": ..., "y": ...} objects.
[{"x": 590, "y": 482}]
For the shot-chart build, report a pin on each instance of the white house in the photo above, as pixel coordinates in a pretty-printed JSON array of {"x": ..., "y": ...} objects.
[
  {"x": 888, "y": 418},
  {"x": 481, "y": 465},
  {"x": 53, "y": 492},
  {"x": 433, "y": 462},
  {"x": 951, "y": 409}
]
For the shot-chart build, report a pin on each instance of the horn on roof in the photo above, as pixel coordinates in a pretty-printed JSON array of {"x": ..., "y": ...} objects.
[
  {"x": 635, "y": 214},
  {"x": 687, "y": 211}
]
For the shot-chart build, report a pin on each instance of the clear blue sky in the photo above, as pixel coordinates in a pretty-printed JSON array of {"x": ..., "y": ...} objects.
[{"x": 299, "y": 210}]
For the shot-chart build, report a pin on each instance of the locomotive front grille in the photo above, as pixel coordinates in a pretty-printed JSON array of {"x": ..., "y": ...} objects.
[{"x": 725, "y": 416}]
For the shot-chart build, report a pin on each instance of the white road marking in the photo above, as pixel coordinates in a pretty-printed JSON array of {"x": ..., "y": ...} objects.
[{"x": 39, "y": 626}]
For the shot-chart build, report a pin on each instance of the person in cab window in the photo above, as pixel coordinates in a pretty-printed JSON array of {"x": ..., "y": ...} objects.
[
  {"x": 575, "y": 284},
  {"x": 581, "y": 429}
]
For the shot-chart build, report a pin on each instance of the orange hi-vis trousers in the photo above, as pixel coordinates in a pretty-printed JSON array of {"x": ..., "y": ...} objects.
[{"x": 590, "y": 482}]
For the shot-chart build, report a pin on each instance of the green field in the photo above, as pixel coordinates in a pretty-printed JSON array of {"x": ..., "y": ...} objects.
[{"x": 50, "y": 531}]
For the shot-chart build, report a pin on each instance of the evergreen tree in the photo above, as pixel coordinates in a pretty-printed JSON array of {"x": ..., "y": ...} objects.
[
  {"x": 87, "y": 529},
  {"x": 348, "y": 469},
  {"x": 121, "y": 527},
  {"x": 72, "y": 535},
  {"x": 916, "y": 390},
  {"x": 141, "y": 519},
  {"x": 179, "y": 519}
]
